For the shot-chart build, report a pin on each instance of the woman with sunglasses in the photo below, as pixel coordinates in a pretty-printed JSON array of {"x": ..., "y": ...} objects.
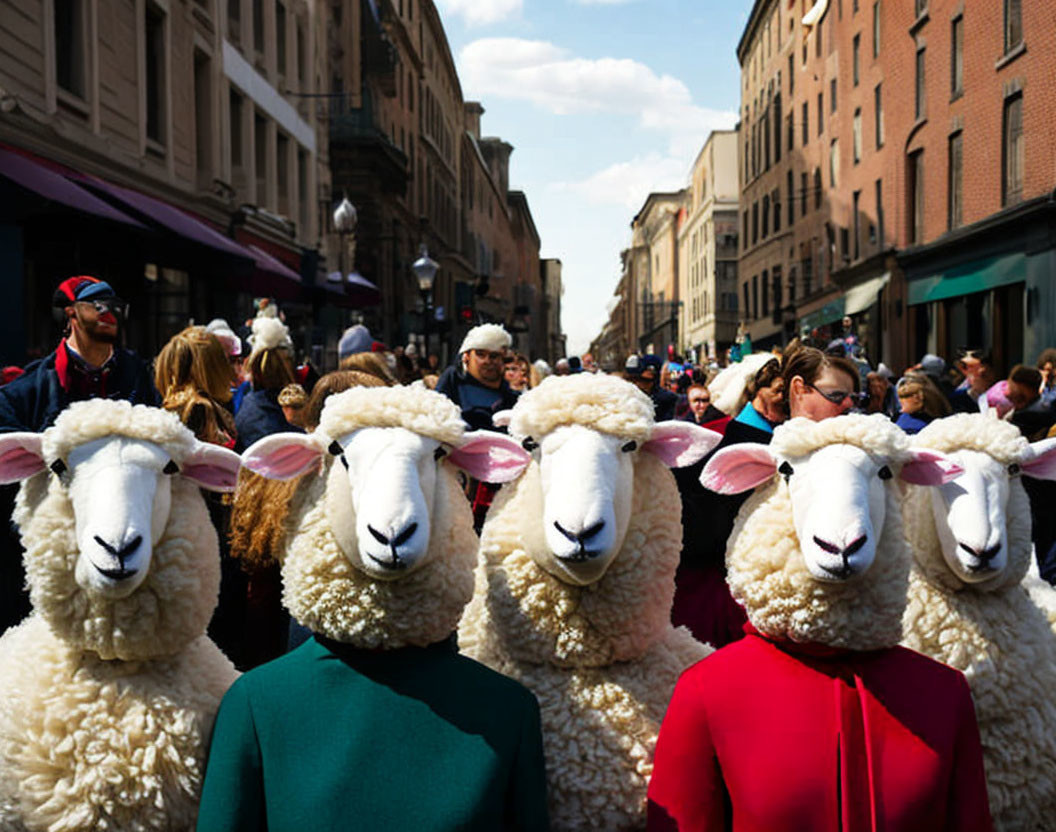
[{"x": 819, "y": 386}]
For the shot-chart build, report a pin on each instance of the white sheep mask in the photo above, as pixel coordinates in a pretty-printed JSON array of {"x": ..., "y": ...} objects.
[
  {"x": 381, "y": 489},
  {"x": 120, "y": 490},
  {"x": 837, "y": 495},
  {"x": 586, "y": 463},
  {"x": 971, "y": 513}
]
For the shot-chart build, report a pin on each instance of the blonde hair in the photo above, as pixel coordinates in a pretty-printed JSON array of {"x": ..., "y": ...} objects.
[
  {"x": 194, "y": 359},
  {"x": 934, "y": 404},
  {"x": 371, "y": 363}
]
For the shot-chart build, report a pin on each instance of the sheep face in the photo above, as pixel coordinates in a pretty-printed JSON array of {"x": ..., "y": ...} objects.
[
  {"x": 380, "y": 499},
  {"x": 587, "y": 484},
  {"x": 121, "y": 493}
]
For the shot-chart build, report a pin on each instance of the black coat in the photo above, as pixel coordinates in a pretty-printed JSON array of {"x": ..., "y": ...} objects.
[{"x": 478, "y": 402}]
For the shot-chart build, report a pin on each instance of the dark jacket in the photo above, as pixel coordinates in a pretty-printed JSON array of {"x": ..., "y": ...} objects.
[
  {"x": 332, "y": 738},
  {"x": 260, "y": 415},
  {"x": 478, "y": 402},
  {"x": 664, "y": 402},
  {"x": 33, "y": 400}
]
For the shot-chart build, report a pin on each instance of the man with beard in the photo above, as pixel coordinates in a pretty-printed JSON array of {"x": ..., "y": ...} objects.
[
  {"x": 87, "y": 363},
  {"x": 478, "y": 386}
]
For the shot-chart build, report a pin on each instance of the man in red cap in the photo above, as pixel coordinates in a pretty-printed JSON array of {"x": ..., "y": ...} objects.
[{"x": 87, "y": 363}]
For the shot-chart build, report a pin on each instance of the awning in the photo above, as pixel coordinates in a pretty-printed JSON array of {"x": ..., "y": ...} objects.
[
  {"x": 354, "y": 288},
  {"x": 864, "y": 295},
  {"x": 55, "y": 187},
  {"x": 977, "y": 276},
  {"x": 817, "y": 11},
  {"x": 271, "y": 264},
  {"x": 177, "y": 221},
  {"x": 831, "y": 311}
]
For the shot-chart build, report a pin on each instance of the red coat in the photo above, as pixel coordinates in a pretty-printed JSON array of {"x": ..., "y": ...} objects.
[{"x": 799, "y": 737}]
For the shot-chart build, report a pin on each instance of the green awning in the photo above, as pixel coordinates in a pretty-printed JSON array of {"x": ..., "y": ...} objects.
[
  {"x": 977, "y": 276},
  {"x": 831, "y": 311}
]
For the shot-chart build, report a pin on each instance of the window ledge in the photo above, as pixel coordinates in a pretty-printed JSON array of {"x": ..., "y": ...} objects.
[
  {"x": 956, "y": 96},
  {"x": 156, "y": 149},
  {"x": 71, "y": 103},
  {"x": 920, "y": 21},
  {"x": 1011, "y": 55}
]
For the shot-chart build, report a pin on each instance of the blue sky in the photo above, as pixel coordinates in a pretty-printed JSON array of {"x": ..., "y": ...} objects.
[{"x": 603, "y": 101}]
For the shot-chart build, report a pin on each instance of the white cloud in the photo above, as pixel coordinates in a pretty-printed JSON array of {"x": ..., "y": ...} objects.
[
  {"x": 604, "y": 2},
  {"x": 481, "y": 12},
  {"x": 562, "y": 83},
  {"x": 629, "y": 183}
]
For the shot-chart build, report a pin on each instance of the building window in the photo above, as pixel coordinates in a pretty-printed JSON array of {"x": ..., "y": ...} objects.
[
  {"x": 1012, "y": 151},
  {"x": 957, "y": 56},
  {"x": 855, "y": 55},
  {"x": 878, "y": 116},
  {"x": 856, "y": 198},
  {"x": 857, "y": 135},
  {"x": 777, "y": 129},
  {"x": 821, "y": 113},
  {"x": 808, "y": 273},
  {"x": 806, "y": 124},
  {"x": 876, "y": 29},
  {"x": 919, "y": 109},
  {"x": 777, "y": 209},
  {"x": 282, "y": 172},
  {"x": 834, "y": 163},
  {"x": 920, "y": 7},
  {"x": 1013, "y": 25},
  {"x": 954, "y": 185},
  {"x": 832, "y": 95},
  {"x": 766, "y": 292},
  {"x": 302, "y": 193},
  {"x": 280, "y": 37},
  {"x": 234, "y": 21},
  {"x": 791, "y": 74},
  {"x": 817, "y": 188},
  {"x": 744, "y": 234},
  {"x": 258, "y": 26},
  {"x": 302, "y": 55},
  {"x": 203, "y": 117},
  {"x": 235, "y": 117},
  {"x": 70, "y": 47},
  {"x": 817, "y": 39},
  {"x": 791, "y": 130},
  {"x": 744, "y": 286},
  {"x": 766, "y": 215},
  {"x": 916, "y": 197},
  {"x": 790, "y": 187},
  {"x": 154, "y": 40},
  {"x": 755, "y": 223},
  {"x": 804, "y": 190},
  {"x": 880, "y": 211},
  {"x": 775, "y": 282},
  {"x": 260, "y": 158},
  {"x": 755, "y": 297}
]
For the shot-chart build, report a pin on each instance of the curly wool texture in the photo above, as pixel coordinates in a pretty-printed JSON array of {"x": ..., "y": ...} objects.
[
  {"x": 602, "y": 659},
  {"x": 766, "y": 570},
  {"x": 602, "y": 403},
  {"x": 997, "y": 636},
  {"x": 101, "y": 745},
  {"x": 325, "y": 592},
  {"x": 269, "y": 333},
  {"x": 415, "y": 408}
]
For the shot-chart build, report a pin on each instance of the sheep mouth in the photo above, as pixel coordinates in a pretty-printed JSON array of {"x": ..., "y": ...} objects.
[
  {"x": 580, "y": 556},
  {"x": 395, "y": 564},
  {"x": 116, "y": 574},
  {"x": 841, "y": 573}
]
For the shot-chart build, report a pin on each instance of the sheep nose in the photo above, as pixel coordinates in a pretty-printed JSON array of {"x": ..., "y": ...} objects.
[
  {"x": 583, "y": 536},
  {"x": 985, "y": 555},
  {"x": 845, "y": 551},
  {"x": 121, "y": 552},
  {"x": 393, "y": 541}
]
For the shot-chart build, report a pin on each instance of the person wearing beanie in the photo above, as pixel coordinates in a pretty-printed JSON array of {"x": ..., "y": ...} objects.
[
  {"x": 355, "y": 339},
  {"x": 477, "y": 384}
]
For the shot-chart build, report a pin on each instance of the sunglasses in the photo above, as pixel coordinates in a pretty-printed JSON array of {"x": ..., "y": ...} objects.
[
  {"x": 118, "y": 307},
  {"x": 840, "y": 396}
]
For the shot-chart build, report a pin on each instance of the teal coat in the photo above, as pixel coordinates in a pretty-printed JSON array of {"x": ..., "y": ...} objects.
[{"x": 332, "y": 738}]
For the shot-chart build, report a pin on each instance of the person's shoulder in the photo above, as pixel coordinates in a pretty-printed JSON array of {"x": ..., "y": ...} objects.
[
  {"x": 486, "y": 683},
  {"x": 278, "y": 676},
  {"x": 923, "y": 671}
]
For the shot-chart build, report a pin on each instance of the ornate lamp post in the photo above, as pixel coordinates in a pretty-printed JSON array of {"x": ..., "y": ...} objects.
[
  {"x": 345, "y": 219},
  {"x": 425, "y": 269}
]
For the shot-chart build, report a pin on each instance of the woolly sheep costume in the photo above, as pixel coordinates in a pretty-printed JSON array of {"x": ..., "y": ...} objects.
[
  {"x": 816, "y": 720},
  {"x": 975, "y": 616},
  {"x": 376, "y": 722},
  {"x": 600, "y": 654},
  {"x": 108, "y": 694}
]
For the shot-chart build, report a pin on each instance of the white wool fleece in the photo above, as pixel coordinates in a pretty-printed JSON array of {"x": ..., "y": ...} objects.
[
  {"x": 415, "y": 408},
  {"x": 325, "y": 592}
]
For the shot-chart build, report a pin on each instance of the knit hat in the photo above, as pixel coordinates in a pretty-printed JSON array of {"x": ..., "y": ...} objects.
[
  {"x": 269, "y": 333},
  {"x": 81, "y": 287},
  {"x": 354, "y": 339},
  {"x": 225, "y": 335},
  {"x": 933, "y": 365},
  {"x": 492, "y": 337}
]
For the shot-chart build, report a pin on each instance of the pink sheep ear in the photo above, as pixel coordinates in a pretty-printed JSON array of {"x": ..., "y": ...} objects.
[
  {"x": 282, "y": 456},
  {"x": 20, "y": 457},
  {"x": 738, "y": 468},
  {"x": 678, "y": 444},
  {"x": 1042, "y": 464},
  {"x": 929, "y": 468},
  {"x": 212, "y": 467},
  {"x": 490, "y": 457},
  {"x": 502, "y": 418}
]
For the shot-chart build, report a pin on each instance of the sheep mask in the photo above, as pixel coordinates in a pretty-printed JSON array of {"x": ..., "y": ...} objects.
[
  {"x": 108, "y": 490},
  {"x": 585, "y": 434},
  {"x": 833, "y": 483},
  {"x": 981, "y": 519}
]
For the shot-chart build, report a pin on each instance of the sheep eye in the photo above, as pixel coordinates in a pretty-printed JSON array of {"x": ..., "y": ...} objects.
[
  {"x": 630, "y": 446},
  {"x": 439, "y": 453},
  {"x": 529, "y": 444},
  {"x": 785, "y": 470},
  {"x": 58, "y": 467},
  {"x": 170, "y": 468},
  {"x": 1013, "y": 470},
  {"x": 335, "y": 448},
  {"x": 884, "y": 473}
]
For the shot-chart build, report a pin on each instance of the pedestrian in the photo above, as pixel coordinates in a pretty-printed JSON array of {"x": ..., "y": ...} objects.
[
  {"x": 882, "y": 396},
  {"x": 701, "y": 411},
  {"x": 920, "y": 401},
  {"x": 373, "y": 363},
  {"x": 643, "y": 371},
  {"x": 979, "y": 376},
  {"x": 270, "y": 369},
  {"x": 517, "y": 372},
  {"x": 1047, "y": 367},
  {"x": 87, "y": 364}
]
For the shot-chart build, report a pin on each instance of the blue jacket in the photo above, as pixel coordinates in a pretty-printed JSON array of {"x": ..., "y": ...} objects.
[
  {"x": 33, "y": 400},
  {"x": 478, "y": 402},
  {"x": 260, "y": 415}
]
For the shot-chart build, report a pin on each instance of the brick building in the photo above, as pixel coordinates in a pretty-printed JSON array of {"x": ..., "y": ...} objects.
[{"x": 859, "y": 119}]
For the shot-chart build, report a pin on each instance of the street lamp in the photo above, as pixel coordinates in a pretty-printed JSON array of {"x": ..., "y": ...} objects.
[
  {"x": 425, "y": 268},
  {"x": 345, "y": 219}
]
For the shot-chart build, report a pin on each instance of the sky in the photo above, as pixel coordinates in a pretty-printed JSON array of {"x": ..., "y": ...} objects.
[{"x": 604, "y": 101}]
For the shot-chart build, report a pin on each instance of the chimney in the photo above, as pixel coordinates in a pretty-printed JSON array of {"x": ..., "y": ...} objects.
[{"x": 473, "y": 112}]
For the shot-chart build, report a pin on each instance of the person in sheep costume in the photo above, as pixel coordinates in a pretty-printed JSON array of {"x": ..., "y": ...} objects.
[
  {"x": 817, "y": 719},
  {"x": 376, "y": 722},
  {"x": 575, "y": 584},
  {"x": 109, "y": 689},
  {"x": 971, "y": 546}
]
